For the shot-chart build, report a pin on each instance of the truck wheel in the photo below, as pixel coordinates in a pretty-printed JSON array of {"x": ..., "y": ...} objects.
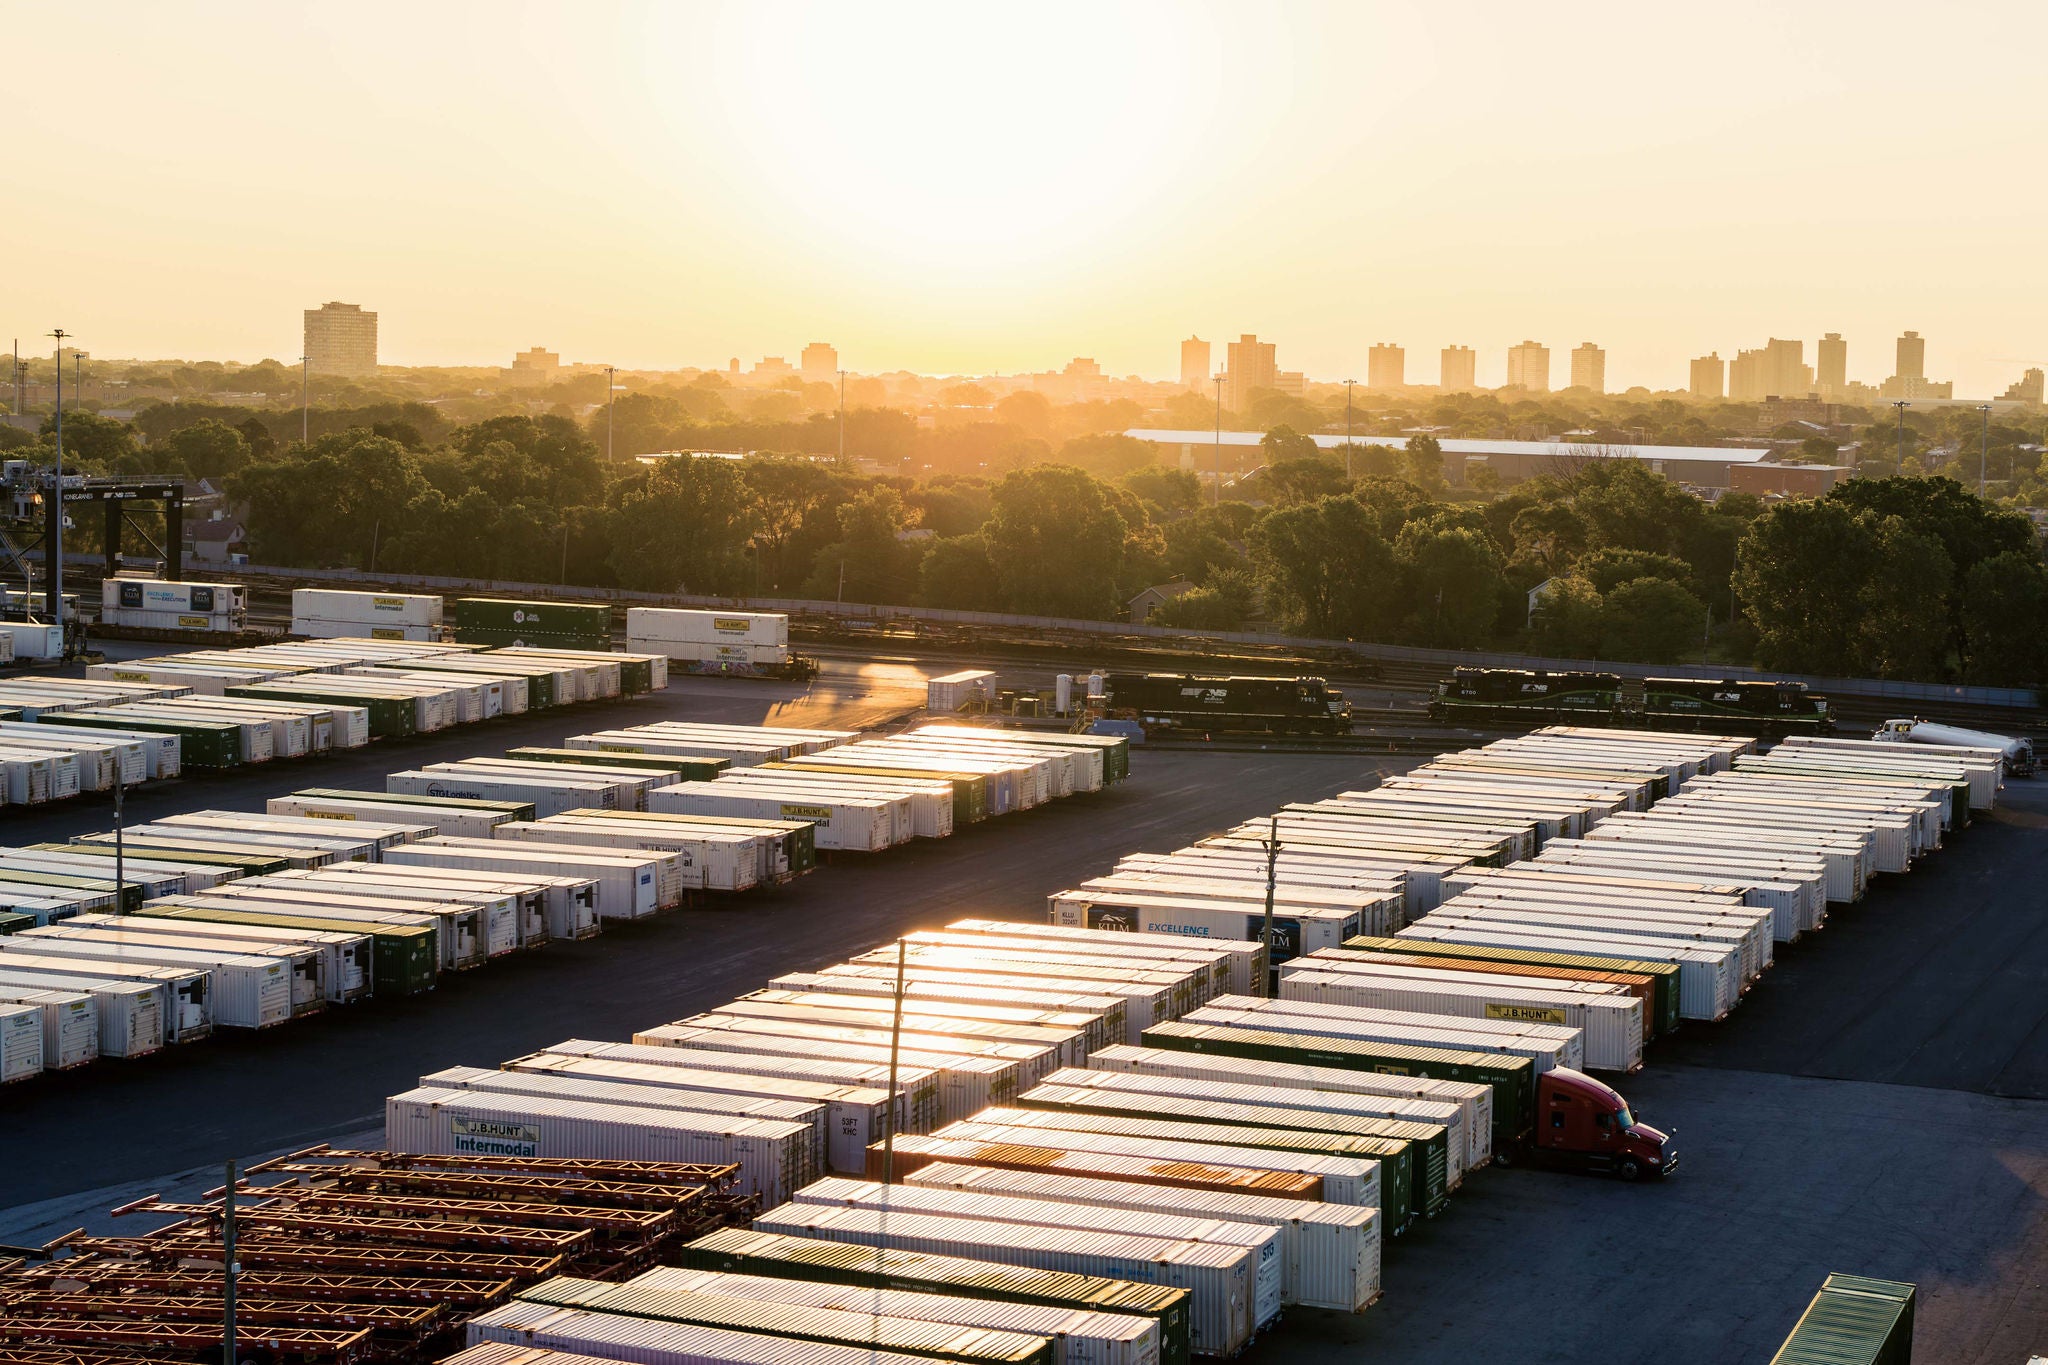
[
  {"x": 1629, "y": 1169},
  {"x": 1503, "y": 1157}
]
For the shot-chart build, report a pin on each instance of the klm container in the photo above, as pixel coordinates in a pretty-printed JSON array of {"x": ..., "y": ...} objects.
[
  {"x": 128, "y": 1016},
  {"x": 1077, "y": 1337},
  {"x": 70, "y": 1024}
]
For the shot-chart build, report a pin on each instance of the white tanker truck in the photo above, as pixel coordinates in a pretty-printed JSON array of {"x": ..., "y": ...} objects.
[{"x": 2018, "y": 753}]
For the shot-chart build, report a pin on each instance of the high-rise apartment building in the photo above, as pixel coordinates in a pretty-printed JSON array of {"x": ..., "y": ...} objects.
[
  {"x": 1709, "y": 376},
  {"x": 1459, "y": 370},
  {"x": 2026, "y": 389},
  {"x": 1912, "y": 357},
  {"x": 536, "y": 365},
  {"x": 1589, "y": 367},
  {"x": 341, "y": 339},
  {"x": 1386, "y": 366},
  {"x": 819, "y": 363},
  {"x": 1529, "y": 367},
  {"x": 1831, "y": 365},
  {"x": 1777, "y": 370},
  {"x": 1249, "y": 365},
  {"x": 1194, "y": 364}
]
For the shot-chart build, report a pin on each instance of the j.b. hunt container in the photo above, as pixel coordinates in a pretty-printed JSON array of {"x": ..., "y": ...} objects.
[
  {"x": 832, "y": 1329},
  {"x": 854, "y": 1115},
  {"x": 767, "y": 1254},
  {"x": 1223, "y": 1310},
  {"x": 1076, "y": 1337},
  {"x": 1219, "y": 1279},
  {"x": 771, "y": 1154}
]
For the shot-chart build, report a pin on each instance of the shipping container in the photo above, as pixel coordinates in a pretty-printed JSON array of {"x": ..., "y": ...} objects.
[
  {"x": 128, "y": 1016},
  {"x": 1031, "y": 1059},
  {"x": 70, "y": 1023},
  {"x": 1242, "y": 962},
  {"x": 1068, "y": 1034},
  {"x": 401, "y": 958},
  {"x": 474, "y": 924},
  {"x": 1709, "y": 982},
  {"x": 1853, "y": 1321},
  {"x": 710, "y": 860},
  {"x": 1642, "y": 988},
  {"x": 586, "y": 620},
  {"x": 547, "y": 796},
  {"x": 590, "y": 1336},
  {"x": 367, "y": 608},
  {"x": 21, "y": 1041},
  {"x": 789, "y": 848},
  {"x": 201, "y": 743},
  {"x": 519, "y": 909},
  {"x": 1545, "y": 1045},
  {"x": 855, "y": 1115},
  {"x": 160, "y": 752},
  {"x": 182, "y": 995},
  {"x": 438, "y": 819},
  {"x": 509, "y": 810},
  {"x": 771, "y": 1155},
  {"x": 940, "y": 992},
  {"x": 836, "y": 1328},
  {"x": 331, "y": 969},
  {"x": 846, "y": 823},
  {"x": 629, "y": 787},
  {"x": 241, "y": 991},
  {"x": 456, "y": 937},
  {"x": 649, "y": 625},
  {"x": 683, "y": 769},
  {"x": 1183, "y": 982},
  {"x": 631, "y": 884},
  {"x": 1295, "y": 931},
  {"x": 1144, "y": 1002},
  {"x": 1219, "y": 1280}
]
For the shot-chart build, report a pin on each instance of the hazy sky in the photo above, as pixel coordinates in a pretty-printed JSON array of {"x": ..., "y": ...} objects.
[{"x": 966, "y": 187}]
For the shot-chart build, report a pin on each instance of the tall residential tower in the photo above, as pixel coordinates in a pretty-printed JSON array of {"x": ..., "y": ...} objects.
[{"x": 341, "y": 339}]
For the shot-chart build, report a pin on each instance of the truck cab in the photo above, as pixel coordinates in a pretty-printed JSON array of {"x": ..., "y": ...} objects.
[{"x": 1584, "y": 1125}]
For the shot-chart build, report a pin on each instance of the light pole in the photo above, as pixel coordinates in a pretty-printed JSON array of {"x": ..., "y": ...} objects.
[
  {"x": 1983, "y": 447},
  {"x": 1901, "y": 406},
  {"x": 57, "y": 492},
  {"x": 611, "y": 394},
  {"x": 1349, "y": 384},
  {"x": 305, "y": 399},
  {"x": 1216, "y": 488},
  {"x": 842, "y": 417}
]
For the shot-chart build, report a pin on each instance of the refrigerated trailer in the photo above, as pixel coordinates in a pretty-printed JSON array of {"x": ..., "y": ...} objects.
[
  {"x": 128, "y": 1015},
  {"x": 242, "y": 991},
  {"x": 68, "y": 1020},
  {"x": 631, "y": 884},
  {"x": 182, "y": 999},
  {"x": 719, "y": 861}
]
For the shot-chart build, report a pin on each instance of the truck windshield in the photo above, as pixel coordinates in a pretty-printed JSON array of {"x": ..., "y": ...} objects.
[{"x": 1624, "y": 1118}]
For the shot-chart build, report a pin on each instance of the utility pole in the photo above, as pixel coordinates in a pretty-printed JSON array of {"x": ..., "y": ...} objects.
[
  {"x": 305, "y": 399},
  {"x": 1349, "y": 384},
  {"x": 1901, "y": 406},
  {"x": 842, "y": 444},
  {"x": 78, "y": 376},
  {"x": 611, "y": 391},
  {"x": 120, "y": 868},
  {"x": 1983, "y": 448},
  {"x": 1216, "y": 492},
  {"x": 1272, "y": 876},
  {"x": 895, "y": 1045},
  {"x": 564, "y": 579},
  {"x": 229, "y": 1271},
  {"x": 14, "y": 375},
  {"x": 56, "y": 547}
]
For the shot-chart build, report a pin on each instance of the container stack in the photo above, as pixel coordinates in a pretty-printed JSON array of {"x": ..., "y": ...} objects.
[
  {"x": 153, "y": 604},
  {"x": 731, "y": 643},
  {"x": 357, "y": 1256},
  {"x": 498, "y": 622},
  {"x": 330, "y": 613}
]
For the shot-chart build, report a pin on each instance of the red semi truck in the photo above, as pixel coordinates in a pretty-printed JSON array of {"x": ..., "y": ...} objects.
[{"x": 1584, "y": 1125}]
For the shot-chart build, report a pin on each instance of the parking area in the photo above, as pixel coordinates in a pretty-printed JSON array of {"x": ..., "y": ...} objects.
[{"x": 1878, "y": 1105}]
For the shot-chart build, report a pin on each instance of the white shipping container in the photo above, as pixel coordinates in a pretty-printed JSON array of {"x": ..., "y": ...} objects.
[
  {"x": 515, "y": 910},
  {"x": 1242, "y": 962},
  {"x": 243, "y": 990},
  {"x": 160, "y": 752},
  {"x": 717, "y": 860},
  {"x": 1145, "y": 1002},
  {"x": 858, "y": 825},
  {"x": 629, "y": 887},
  {"x": 179, "y": 996},
  {"x": 1296, "y": 931},
  {"x": 1330, "y": 1252},
  {"x": 475, "y": 824},
  {"x": 380, "y": 608},
  {"x": 127, "y": 1016},
  {"x": 1265, "y": 1244},
  {"x": 344, "y": 959},
  {"x": 942, "y": 990},
  {"x": 715, "y": 627},
  {"x": 21, "y": 1041},
  {"x": 1709, "y": 982},
  {"x": 546, "y": 1335},
  {"x": 1220, "y": 1280},
  {"x": 1545, "y": 1045},
  {"x": 26, "y": 641},
  {"x": 70, "y": 1019},
  {"x": 546, "y": 797},
  {"x": 1078, "y": 1338},
  {"x": 854, "y": 1115},
  {"x": 770, "y": 1154},
  {"x": 307, "y": 964}
]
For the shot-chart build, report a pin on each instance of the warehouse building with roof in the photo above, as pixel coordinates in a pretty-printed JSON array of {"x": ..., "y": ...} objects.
[{"x": 1238, "y": 452}]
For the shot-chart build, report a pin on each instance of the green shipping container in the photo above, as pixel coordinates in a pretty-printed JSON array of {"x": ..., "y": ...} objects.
[
  {"x": 11, "y": 923},
  {"x": 970, "y": 790},
  {"x": 131, "y": 894},
  {"x": 1414, "y": 1163},
  {"x": 403, "y": 959},
  {"x": 690, "y": 769},
  {"x": 744, "y": 1252},
  {"x": 1664, "y": 999},
  {"x": 798, "y": 1322},
  {"x": 106, "y": 851},
  {"x": 195, "y": 850},
  {"x": 201, "y": 743},
  {"x": 1513, "y": 1078},
  {"x": 390, "y": 717},
  {"x": 1853, "y": 1321},
  {"x": 529, "y": 619}
]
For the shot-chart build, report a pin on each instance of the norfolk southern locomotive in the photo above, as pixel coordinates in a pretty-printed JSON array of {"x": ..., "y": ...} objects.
[
  {"x": 1514, "y": 696},
  {"x": 1185, "y": 701}
]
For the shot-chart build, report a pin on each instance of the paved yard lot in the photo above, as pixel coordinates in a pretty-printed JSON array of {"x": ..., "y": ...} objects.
[{"x": 1878, "y": 1105}]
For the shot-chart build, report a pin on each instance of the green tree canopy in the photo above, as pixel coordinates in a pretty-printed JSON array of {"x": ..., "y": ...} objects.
[
  {"x": 1651, "y": 620},
  {"x": 1325, "y": 566},
  {"x": 1057, "y": 542}
]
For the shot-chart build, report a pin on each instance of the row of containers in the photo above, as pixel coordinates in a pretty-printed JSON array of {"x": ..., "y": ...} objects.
[
  {"x": 1115, "y": 1113},
  {"x": 149, "y": 720},
  {"x": 224, "y": 919}
]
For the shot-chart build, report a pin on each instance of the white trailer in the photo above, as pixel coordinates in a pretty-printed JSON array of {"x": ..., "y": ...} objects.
[
  {"x": 1545, "y": 1045},
  {"x": 243, "y": 990},
  {"x": 547, "y": 796},
  {"x": 1710, "y": 980},
  {"x": 716, "y": 860},
  {"x": 181, "y": 1002},
  {"x": 859, "y": 825},
  {"x": 127, "y": 1015},
  {"x": 631, "y": 885},
  {"x": 70, "y": 1024}
]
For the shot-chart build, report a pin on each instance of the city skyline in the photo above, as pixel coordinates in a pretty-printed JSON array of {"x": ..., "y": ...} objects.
[{"x": 558, "y": 182}]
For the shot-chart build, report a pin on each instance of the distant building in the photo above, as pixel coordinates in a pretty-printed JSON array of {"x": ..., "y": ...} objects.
[
  {"x": 1459, "y": 370},
  {"x": 1788, "y": 480},
  {"x": 1916, "y": 388},
  {"x": 341, "y": 339},
  {"x": 1912, "y": 357},
  {"x": 1529, "y": 367},
  {"x": 1386, "y": 367},
  {"x": 534, "y": 366},
  {"x": 734, "y": 366},
  {"x": 1158, "y": 595},
  {"x": 819, "y": 363},
  {"x": 1831, "y": 366},
  {"x": 1293, "y": 383},
  {"x": 1709, "y": 376},
  {"x": 1194, "y": 364},
  {"x": 773, "y": 367},
  {"x": 1249, "y": 365},
  {"x": 1589, "y": 368},
  {"x": 1082, "y": 367},
  {"x": 2026, "y": 389},
  {"x": 1777, "y": 369}
]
